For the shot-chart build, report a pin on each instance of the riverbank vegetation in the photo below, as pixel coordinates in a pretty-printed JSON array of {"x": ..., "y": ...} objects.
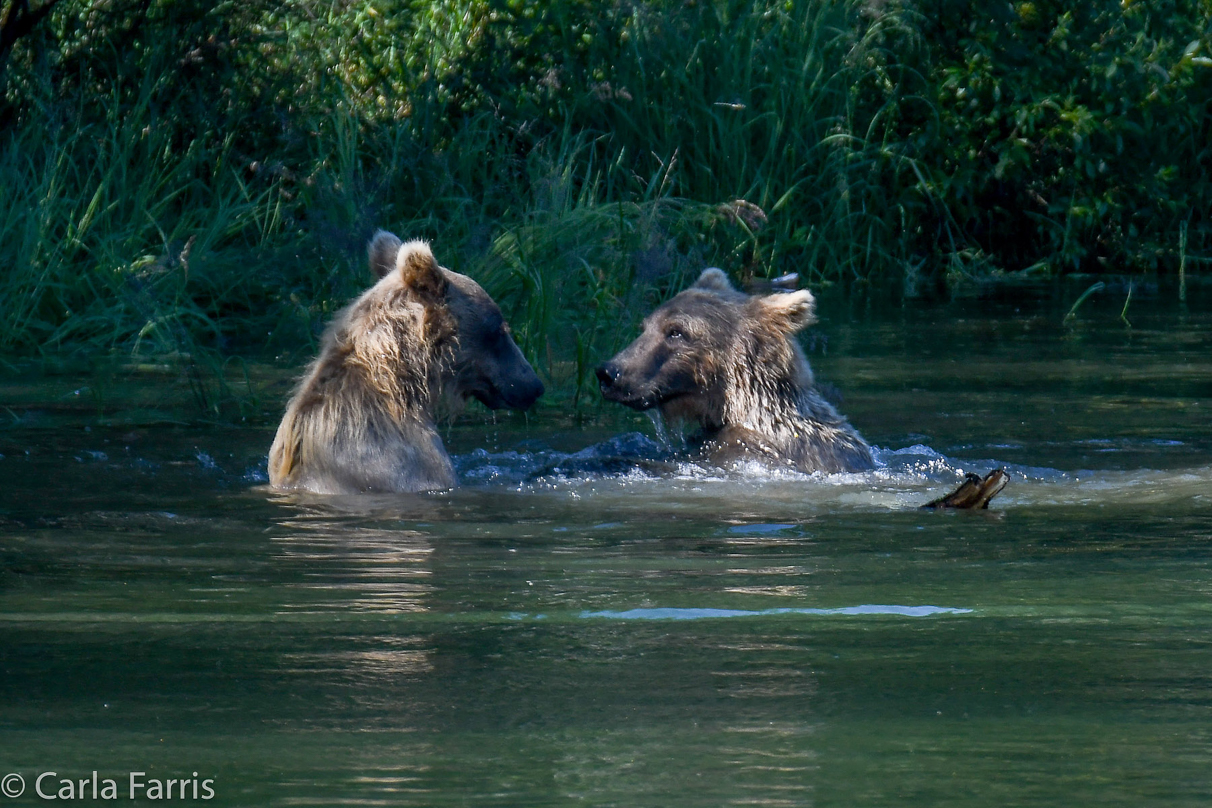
[{"x": 194, "y": 181}]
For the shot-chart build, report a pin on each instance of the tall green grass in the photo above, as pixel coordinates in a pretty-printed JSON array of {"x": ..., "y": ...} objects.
[{"x": 197, "y": 181}]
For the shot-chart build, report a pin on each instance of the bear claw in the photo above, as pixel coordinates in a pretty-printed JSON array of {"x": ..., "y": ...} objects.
[{"x": 974, "y": 493}]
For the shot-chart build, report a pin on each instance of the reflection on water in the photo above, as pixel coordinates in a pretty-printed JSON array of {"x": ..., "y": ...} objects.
[
  {"x": 700, "y": 614},
  {"x": 592, "y": 618},
  {"x": 350, "y": 567}
]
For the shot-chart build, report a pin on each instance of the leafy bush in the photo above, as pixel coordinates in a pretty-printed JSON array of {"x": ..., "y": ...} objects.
[
  {"x": 191, "y": 176},
  {"x": 1069, "y": 137}
]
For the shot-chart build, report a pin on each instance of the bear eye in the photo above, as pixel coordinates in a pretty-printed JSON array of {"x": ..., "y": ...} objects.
[{"x": 675, "y": 333}]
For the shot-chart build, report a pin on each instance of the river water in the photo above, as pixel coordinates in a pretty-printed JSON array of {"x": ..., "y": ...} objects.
[{"x": 567, "y": 629}]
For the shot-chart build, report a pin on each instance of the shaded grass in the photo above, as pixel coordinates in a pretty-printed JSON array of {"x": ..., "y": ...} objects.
[{"x": 193, "y": 184}]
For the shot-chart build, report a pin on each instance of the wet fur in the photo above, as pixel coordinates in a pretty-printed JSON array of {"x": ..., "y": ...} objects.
[
  {"x": 728, "y": 361},
  {"x": 363, "y": 417}
]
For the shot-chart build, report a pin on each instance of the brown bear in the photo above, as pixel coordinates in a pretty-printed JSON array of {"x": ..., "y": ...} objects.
[
  {"x": 363, "y": 417},
  {"x": 727, "y": 361}
]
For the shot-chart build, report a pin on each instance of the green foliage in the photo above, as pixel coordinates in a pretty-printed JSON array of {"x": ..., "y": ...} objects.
[
  {"x": 198, "y": 179},
  {"x": 1066, "y": 136}
]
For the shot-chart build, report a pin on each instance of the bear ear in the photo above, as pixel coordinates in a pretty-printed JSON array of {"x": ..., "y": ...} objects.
[
  {"x": 788, "y": 311},
  {"x": 382, "y": 251},
  {"x": 420, "y": 271},
  {"x": 713, "y": 279}
]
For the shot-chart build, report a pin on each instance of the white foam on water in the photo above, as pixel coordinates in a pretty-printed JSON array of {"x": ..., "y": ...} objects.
[{"x": 635, "y": 470}]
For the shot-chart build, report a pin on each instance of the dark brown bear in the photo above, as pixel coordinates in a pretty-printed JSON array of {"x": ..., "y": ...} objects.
[
  {"x": 728, "y": 362},
  {"x": 363, "y": 417}
]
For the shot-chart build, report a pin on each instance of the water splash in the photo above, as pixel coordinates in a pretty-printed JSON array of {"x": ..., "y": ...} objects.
[{"x": 660, "y": 428}]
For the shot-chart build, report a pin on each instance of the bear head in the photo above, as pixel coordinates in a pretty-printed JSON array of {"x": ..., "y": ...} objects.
[
  {"x": 461, "y": 321},
  {"x": 705, "y": 351}
]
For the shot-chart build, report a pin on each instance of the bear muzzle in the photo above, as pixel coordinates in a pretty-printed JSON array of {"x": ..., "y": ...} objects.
[
  {"x": 515, "y": 395},
  {"x": 521, "y": 396},
  {"x": 614, "y": 388},
  {"x": 607, "y": 375}
]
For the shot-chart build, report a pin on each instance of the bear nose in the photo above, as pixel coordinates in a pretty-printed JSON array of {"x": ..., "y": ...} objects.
[
  {"x": 534, "y": 391},
  {"x": 608, "y": 374}
]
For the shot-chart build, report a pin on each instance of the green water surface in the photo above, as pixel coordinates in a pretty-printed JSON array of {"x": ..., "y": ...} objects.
[{"x": 704, "y": 639}]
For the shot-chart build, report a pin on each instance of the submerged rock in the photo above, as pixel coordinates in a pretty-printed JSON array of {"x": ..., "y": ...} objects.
[{"x": 622, "y": 454}]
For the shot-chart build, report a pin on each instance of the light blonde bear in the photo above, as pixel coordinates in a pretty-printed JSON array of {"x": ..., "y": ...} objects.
[{"x": 363, "y": 418}]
